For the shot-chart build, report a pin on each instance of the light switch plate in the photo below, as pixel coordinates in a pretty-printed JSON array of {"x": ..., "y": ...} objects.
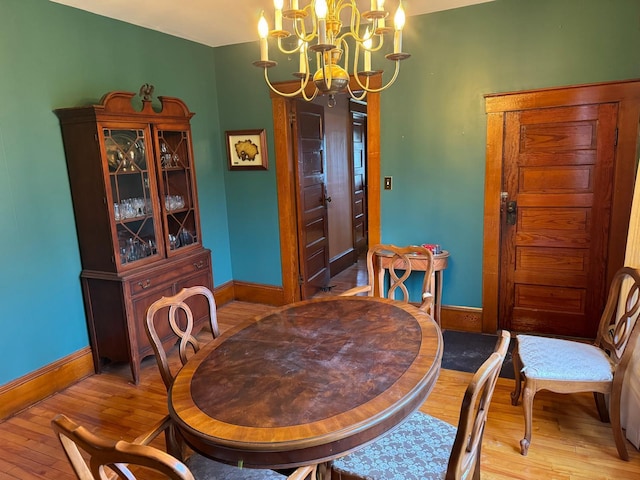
[{"x": 387, "y": 183}]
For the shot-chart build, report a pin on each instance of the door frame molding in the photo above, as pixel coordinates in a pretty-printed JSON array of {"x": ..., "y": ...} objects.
[
  {"x": 282, "y": 108},
  {"x": 627, "y": 95}
]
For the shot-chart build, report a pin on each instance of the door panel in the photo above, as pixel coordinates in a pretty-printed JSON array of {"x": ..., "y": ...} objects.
[
  {"x": 558, "y": 169},
  {"x": 359, "y": 157},
  {"x": 312, "y": 208}
]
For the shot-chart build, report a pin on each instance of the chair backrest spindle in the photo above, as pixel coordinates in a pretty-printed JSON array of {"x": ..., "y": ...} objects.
[{"x": 180, "y": 320}]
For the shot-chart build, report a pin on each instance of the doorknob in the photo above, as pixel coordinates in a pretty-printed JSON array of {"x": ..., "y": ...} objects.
[
  {"x": 326, "y": 199},
  {"x": 512, "y": 207}
]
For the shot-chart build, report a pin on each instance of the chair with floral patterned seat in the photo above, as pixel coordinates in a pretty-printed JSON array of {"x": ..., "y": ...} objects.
[
  {"x": 426, "y": 448},
  {"x": 94, "y": 457}
]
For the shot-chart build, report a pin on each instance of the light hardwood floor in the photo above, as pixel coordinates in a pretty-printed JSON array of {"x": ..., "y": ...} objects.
[{"x": 569, "y": 442}]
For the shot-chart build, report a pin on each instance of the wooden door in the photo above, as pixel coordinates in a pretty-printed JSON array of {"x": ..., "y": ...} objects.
[
  {"x": 312, "y": 201},
  {"x": 556, "y": 208},
  {"x": 359, "y": 189}
]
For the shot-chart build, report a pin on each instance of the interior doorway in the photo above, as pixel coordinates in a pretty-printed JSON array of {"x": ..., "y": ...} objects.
[
  {"x": 312, "y": 199},
  {"x": 283, "y": 116},
  {"x": 559, "y": 180}
]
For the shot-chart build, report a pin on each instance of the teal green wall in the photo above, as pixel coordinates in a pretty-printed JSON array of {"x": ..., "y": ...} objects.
[
  {"x": 433, "y": 126},
  {"x": 252, "y": 200},
  {"x": 54, "y": 56},
  {"x": 433, "y": 139},
  {"x": 434, "y": 147}
]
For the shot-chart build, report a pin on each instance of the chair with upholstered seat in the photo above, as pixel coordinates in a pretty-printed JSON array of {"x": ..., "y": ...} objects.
[
  {"x": 424, "y": 447},
  {"x": 567, "y": 366},
  {"x": 399, "y": 269},
  {"x": 173, "y": 314},
  {"x": 95, "y": 458}
]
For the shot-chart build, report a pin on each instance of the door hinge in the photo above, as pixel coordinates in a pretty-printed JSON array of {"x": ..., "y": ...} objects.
[
  {"x": 300, "y": 280},
  {"x": 292, "y": 118},
  {"x": 615, "y": 139}
]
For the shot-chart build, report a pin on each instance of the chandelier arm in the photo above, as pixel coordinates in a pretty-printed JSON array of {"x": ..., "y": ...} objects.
[
  {"x": 284, "y": 50},
  {"x": 303, "y": 85},
  {"x": 378, "y": 47},
  {"x": 355, "y": 13},
  {"x": 354, "y": 96},
  {"x": 376, "y": 90},
  {"x": 345, "y": 46},
  {"x": 301, "y": 33},
  {"x": 355, "y": 23},
  {"x": 323, "y": 66},
  {"x": 308, "y": 99}
]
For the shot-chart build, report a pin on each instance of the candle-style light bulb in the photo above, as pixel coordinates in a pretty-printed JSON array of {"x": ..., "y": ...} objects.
[
  {"x": 278, "y": 4},
  {"x": 303, "y": 56},
  {"x": 263, "y": 32},
  {"x": 321, "y": 14},
  {"x": 399, "y": 17},
  {"x": 399, "y": 25},
  {"x": 381, "y": 22},
  {"x": 367, "y": 50}
]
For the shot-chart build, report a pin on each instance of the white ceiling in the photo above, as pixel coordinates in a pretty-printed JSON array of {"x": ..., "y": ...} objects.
[{"x": 220, "y": 22}]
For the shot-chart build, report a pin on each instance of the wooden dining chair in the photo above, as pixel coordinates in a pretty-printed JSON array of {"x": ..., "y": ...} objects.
[
  {"x": 567, "y": 366},
  {"x": 399, "y": 267},
  {"x": 175, "y": 314},
  {"x": 170, "y": 320},
  {"x": 93, "y": 457},
  {"x": 426, "y": 448}
]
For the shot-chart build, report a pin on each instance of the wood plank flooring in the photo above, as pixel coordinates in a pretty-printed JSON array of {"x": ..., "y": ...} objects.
[{"x": 569, "y": 442}]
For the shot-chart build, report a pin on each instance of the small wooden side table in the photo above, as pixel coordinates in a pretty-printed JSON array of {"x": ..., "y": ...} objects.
[{"x": 418, "y": 262}]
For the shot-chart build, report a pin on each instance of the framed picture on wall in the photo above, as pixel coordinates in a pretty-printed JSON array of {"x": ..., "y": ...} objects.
[{"x": 247, "y": 149}]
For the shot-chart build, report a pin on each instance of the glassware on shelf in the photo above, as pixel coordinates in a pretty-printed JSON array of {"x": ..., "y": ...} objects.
[
  {"x": 136, "y": 249},
  {"x": 173, "y": 202},
  {"x": 132, "y": 208},
  {"x": 186, "y": 237},
  {"x": 174, "y": 242}
]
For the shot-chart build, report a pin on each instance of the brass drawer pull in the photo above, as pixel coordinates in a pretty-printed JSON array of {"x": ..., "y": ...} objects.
[
  {"x": 144, "y": 285},
  {"x": 199, "y": 265}
]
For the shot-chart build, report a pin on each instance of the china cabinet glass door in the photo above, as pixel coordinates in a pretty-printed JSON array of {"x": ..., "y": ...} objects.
[
  {"x": 177, "y": 190},
  {"x": 128, "y": 162}
]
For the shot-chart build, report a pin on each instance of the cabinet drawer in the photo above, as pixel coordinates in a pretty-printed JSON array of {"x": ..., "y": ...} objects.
[{"x": 177, "y": 271}]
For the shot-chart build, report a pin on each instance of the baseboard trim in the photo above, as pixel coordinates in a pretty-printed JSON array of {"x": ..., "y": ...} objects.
[
  {"x": 343, "y": 261},
  {"x": 258, "y": 293},
  {"x": 44, "y": 382},
  {"x": 224, "y": 293},
  {"x": 466, "y": 319}
]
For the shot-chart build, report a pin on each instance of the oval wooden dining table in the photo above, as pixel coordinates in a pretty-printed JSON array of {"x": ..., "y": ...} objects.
[{"x": 308, "y": 382}]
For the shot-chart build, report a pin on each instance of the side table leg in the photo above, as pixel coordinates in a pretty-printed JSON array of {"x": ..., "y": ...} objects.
[{"x": 437, "y": 300}]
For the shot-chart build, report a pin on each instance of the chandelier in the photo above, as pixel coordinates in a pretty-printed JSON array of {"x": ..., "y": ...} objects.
[{"x": 317, "y": 28}]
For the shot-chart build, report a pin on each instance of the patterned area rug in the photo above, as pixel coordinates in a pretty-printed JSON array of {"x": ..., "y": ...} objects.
[{"x": 465, "y": 351}]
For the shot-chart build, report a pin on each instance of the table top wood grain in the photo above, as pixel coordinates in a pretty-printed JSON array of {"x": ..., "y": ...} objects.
[{"x": 307, "y": 382}]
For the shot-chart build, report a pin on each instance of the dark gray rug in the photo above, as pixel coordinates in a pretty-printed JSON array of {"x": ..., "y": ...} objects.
[{"x": 466, "y": 351}]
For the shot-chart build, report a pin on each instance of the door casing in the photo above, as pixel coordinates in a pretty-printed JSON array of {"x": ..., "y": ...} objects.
[{"x": 283, "y": 108}]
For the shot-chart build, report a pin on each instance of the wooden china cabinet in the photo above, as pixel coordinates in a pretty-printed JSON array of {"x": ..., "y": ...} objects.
[{"x": 133, "y": 185}]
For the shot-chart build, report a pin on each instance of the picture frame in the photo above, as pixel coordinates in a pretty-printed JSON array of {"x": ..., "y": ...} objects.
[{"x": 247, "y": 149}]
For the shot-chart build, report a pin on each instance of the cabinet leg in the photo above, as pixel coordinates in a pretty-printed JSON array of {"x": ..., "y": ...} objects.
[{"x": 135, "y": 369}]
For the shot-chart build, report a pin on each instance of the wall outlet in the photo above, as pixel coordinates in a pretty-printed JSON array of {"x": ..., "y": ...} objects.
[{"x": 387, "y": 183}]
